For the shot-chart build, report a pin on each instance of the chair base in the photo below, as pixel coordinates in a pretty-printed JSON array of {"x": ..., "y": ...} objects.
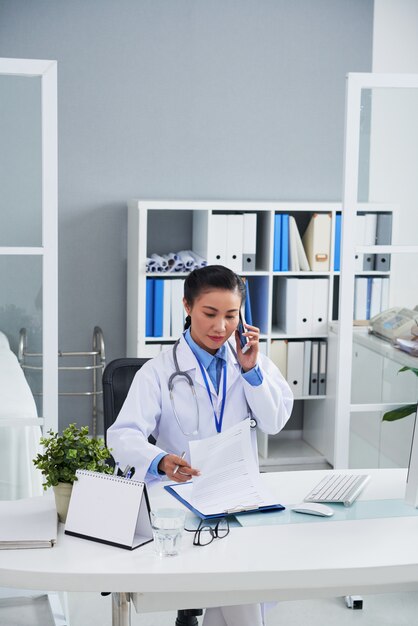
[{"x": 187, "y": 617}]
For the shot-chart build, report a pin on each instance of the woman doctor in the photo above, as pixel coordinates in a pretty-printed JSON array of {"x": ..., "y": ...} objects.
[{"x": 202, "y": 386}]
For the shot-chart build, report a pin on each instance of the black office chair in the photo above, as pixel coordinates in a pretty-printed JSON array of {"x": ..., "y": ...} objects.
[{"x": 117, "y": 378}]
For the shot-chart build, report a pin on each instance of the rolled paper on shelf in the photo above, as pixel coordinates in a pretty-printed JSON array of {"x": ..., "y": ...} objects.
[
  {"x": 183, "y": 261},
  {"x": 161, "y": 261},
  {"x": 171, "y": 259},
  {"x": 177, "y": 265},
  {"x": 187, "y": 259},
  {"x": 152, "y": 266},
  {"x": 199, "y": 260}
]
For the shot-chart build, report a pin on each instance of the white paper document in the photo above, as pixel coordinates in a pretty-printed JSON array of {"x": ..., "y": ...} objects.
[
  {"x": 230, "y": 480},
  {"x": 28, "y": 523}
]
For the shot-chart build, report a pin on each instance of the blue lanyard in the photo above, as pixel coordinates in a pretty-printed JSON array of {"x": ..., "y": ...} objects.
[{"x": 218, "y": 421}]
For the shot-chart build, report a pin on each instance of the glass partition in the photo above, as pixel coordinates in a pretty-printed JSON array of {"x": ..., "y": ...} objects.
[
  {"x": 379, "y": 278},
  {"x": 28, "y": 269},
  {"x": 21, "y": 316},
  {"x": 20, "y": 161}
]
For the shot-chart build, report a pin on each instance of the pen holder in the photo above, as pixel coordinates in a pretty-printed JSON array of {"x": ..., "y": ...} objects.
[{"x": 62, "y": 493}]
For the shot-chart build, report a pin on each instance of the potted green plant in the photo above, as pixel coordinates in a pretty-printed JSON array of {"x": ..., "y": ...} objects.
[
  {"x": 63, "y": 455},
  {"x": 402, "y": 411}
]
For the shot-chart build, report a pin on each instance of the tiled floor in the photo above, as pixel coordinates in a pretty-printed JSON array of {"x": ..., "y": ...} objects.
[{"x": 400, "y": 609}]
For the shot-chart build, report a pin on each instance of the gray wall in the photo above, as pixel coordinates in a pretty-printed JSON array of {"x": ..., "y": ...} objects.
[{"x": 209, "y": 99}]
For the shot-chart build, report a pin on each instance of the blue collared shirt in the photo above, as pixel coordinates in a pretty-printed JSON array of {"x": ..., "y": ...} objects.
[{"x": 213, "y": 365}]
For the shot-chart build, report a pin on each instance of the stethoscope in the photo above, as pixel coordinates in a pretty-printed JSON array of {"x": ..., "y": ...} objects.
[{"x": 185, "y": 376}]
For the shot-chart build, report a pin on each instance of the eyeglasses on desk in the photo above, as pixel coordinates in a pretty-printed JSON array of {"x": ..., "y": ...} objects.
[{"x": 205, "y": 533}]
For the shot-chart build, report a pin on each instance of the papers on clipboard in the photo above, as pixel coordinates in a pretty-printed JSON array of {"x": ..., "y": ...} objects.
[
  {"x": 109, "y": 509},
  {"x": 28, "y": 523},
  {"x": 230, "y": 481}
]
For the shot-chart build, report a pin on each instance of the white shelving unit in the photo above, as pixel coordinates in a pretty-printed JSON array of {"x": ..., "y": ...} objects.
[
  {"x": 166, "y": 226},
  {"x": 340, "y": 337},
  {"x": 366, "y": 385}
]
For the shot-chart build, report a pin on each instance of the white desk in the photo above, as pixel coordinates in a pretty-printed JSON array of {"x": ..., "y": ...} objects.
[{"x": 295, "y": 561}]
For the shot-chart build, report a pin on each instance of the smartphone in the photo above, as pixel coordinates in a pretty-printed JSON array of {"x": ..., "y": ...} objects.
[{"x": 245, "y": 346}]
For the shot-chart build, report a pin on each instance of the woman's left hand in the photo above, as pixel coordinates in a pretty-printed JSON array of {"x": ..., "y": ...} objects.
[{"x": 249, "y": 359}]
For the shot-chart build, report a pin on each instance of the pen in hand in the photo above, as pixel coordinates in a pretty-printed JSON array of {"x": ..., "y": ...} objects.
[{"x": 176, "y": 469}]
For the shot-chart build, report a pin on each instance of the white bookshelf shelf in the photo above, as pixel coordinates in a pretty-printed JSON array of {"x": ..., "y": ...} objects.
[{"x": 291, "y": 449}]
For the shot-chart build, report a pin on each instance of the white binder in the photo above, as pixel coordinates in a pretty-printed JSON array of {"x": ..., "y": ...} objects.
[
  {"x": 317, "y": 242},
  {"x": 297, "y": 254},
  {"x": 360, "y": 241},
  {"x": 217, "y": 239},
  {"x": 384, "y": 299},
  {"x": 249, "y": 242},
  {"x": 383, "y": 237},
  {"x": 369, "y": 240},
  {"x": 295, "y": 367},
  {"x": 376, "y": 296},
  {"x": 320, "y": 306},
  {"x": 235, "y": 230},
  {"x": 167, "y": 309},
  {"x": 109, "y": 509},
  {"x": 177, "y": 308},
  {"x": 294, "y": 305},
  {"x": 360, "y": 298}
]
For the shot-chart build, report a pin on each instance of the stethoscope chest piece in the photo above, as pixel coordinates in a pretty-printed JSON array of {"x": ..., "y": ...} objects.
[{"x": 253, "y": 422}]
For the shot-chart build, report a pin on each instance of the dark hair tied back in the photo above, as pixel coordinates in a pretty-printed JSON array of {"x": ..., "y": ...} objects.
[
  {"x": 211, "y": 277},
  {"x": 187, "y": 322}
]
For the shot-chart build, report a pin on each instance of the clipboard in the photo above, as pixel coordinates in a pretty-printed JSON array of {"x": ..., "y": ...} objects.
[
  {"x": 175, "y": 489},
  {"x": 109, "y": 509}
]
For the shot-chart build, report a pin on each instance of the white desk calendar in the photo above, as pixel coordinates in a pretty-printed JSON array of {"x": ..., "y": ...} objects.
[{"x": 109, "y": 509}]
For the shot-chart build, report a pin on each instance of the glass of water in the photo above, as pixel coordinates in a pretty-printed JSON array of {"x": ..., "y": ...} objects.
[{"x": 167, "y": 529}]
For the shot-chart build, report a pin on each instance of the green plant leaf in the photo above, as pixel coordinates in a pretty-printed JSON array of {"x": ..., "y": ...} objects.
[
  {"x": 399, "y": 413},
  {"x": 406, "y": 368},
  {"x": 63, "y": 455}
]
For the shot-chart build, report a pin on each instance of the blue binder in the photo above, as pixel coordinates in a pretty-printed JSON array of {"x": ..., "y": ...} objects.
[
  {"x": 284, "y": 263},
  {"x": 248, "y": 311},
  {"x": 277, "y": 242},
  {"x": 337, "y": 247},
  {"x": 149, "y": 309},
  {"x": 158, "y": 307}
]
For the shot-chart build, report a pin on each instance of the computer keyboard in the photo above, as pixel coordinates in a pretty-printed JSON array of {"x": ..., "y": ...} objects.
[{"x": 339, "y": 488}]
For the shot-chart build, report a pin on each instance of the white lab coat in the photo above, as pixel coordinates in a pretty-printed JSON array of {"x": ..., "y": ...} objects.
[{"x": 148, "y": 410}]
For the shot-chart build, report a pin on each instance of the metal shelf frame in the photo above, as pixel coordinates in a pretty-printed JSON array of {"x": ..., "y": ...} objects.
[{"x": 97, "y": 354}]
